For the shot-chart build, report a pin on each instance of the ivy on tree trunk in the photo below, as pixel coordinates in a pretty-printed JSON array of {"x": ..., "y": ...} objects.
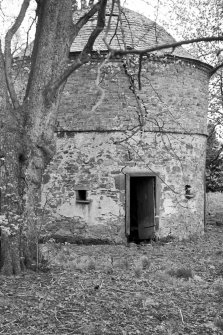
[{"x": 27, "y": 142}]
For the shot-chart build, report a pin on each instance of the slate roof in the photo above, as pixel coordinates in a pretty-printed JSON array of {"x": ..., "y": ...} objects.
[
  {"x": 131, "y": 30},
  {"x": 128, "y": 30}
]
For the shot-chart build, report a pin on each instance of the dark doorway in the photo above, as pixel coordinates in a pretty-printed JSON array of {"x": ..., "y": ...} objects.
[{"x": 142, "y": 207}]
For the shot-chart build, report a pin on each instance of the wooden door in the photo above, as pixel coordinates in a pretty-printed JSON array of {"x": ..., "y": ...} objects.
[{"x": 145, "y": 195}]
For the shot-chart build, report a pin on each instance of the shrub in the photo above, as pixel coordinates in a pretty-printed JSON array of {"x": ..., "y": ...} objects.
[
  {"x": 166, "y": 239},
  {"x": 218, "y": 286},
  {"x": 145, "y": 262},
  {"x": 219, "y": 323},
  {"x": 183, "y": 272},
  {"x": 219, "y": 270},
  {"x": 125, "y": 263},
  {"x": 91, "y": 265},
  {"x": 138, "y": 270},
  {"x": 108, "y": 269}
]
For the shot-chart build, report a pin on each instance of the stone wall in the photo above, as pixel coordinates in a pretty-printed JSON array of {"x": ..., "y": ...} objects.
[
  {"x": 96, "y": 163},
  {"x": 173, "y": 97},
  {"x": 111, "y": 124}
]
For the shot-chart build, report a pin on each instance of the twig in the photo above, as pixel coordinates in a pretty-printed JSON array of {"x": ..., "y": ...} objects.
[
  {"x": 118, "y": 290},
  {"x": 55, "y": 314},
  {"x": 101, "y": 284},
  {"x": 181, "y": 315},
  {"x": 82, "y": 286},
  {"x": 8, "y": 53},
  {"x": 97, "y": 84}
]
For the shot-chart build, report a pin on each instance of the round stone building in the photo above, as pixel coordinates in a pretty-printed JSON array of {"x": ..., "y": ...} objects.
[{"x": 131, "y": 141}]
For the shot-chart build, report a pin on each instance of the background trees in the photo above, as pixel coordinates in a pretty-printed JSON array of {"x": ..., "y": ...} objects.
[
  {"x": 200, "y": 18},
  {"x": 214, "y": 161}
]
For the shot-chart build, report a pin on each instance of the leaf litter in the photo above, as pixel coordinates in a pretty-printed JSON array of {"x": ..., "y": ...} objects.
[{"x": 159, "y": 288}]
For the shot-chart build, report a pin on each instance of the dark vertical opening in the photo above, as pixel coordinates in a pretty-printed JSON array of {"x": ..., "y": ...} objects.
[
  {"x": 134, "y": 236},
  {"x": 187, "y": 189},
  {"x": 142, "y": 208},
  {"x": 82, "y": 195}
]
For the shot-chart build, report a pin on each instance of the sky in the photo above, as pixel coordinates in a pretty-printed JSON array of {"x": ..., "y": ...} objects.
[
  {"x": 141, "y": 6},
  {"x": 10, "y": 9},
  {"x": 149, "y": 8}
]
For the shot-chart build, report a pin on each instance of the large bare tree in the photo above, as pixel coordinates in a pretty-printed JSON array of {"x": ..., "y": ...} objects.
[
  {"x": 27, "y": 141},
  {"x": 27, "y": 129}
]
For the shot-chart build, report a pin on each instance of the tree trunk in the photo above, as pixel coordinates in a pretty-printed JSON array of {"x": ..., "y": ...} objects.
[
  {"x": 11, "y": 185},
  {"x": 27, "y": 142},
  {"x": 12, "y": 190}
]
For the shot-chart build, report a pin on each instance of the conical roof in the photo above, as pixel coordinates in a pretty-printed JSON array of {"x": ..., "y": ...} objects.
[{"x": 128, "y": 29}]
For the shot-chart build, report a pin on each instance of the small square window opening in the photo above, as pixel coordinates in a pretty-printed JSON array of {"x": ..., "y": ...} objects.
[{"x": 82, "y": 195}]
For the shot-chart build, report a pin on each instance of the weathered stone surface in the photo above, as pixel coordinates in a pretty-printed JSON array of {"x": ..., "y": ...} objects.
[
  {"x": 110, "y": 130},
  {"x": 104, "y": 215},
  {"x": 174, "y": 94},
  {"x": 120, "y": 182},
  {"x": 107, "y": 130}
]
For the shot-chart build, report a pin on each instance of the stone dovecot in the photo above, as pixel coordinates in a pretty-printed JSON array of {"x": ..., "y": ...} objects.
[{"x": 131, "y": 141}]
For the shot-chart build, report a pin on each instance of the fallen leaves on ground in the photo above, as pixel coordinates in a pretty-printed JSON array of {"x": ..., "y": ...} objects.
[{"x": 160, "y": 288}]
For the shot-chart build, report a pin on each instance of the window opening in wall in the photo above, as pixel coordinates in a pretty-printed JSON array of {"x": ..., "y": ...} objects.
[
  {"x": 188, "y": 193},
  {"x": 187, "y": 189},
  {"x": 82, "y": 196}
]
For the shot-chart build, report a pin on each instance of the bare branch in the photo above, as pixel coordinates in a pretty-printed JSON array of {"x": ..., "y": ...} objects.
[
  {"x": 24, "y": 47},
  {"x": 163, "y": 46},
  {"x": 8, "y": 53},
  {"x": 98, "y": 29},
  {"x": 85, "y": 54},
  {"x": 84, "y": 19},
  {"x": 53, "y": 87},
  {"x": 139, "y": 72},
  {"x": 216, "y": 68},
  {"x": 3, "y": 88},
  {"x": 97, "y": 84},
  {"x": 27, "y": 34}
]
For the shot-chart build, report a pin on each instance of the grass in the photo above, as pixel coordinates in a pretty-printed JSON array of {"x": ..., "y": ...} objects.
[
  {"x": 173, "y": 288},
  {"x": 214, "y": 202}
]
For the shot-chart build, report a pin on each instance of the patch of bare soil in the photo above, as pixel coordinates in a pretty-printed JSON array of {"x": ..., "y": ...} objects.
[{"x": 159, "y": 288}]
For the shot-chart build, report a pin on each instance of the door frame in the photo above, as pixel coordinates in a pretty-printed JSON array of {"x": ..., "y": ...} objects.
[{"x": 127, "y": 198}]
